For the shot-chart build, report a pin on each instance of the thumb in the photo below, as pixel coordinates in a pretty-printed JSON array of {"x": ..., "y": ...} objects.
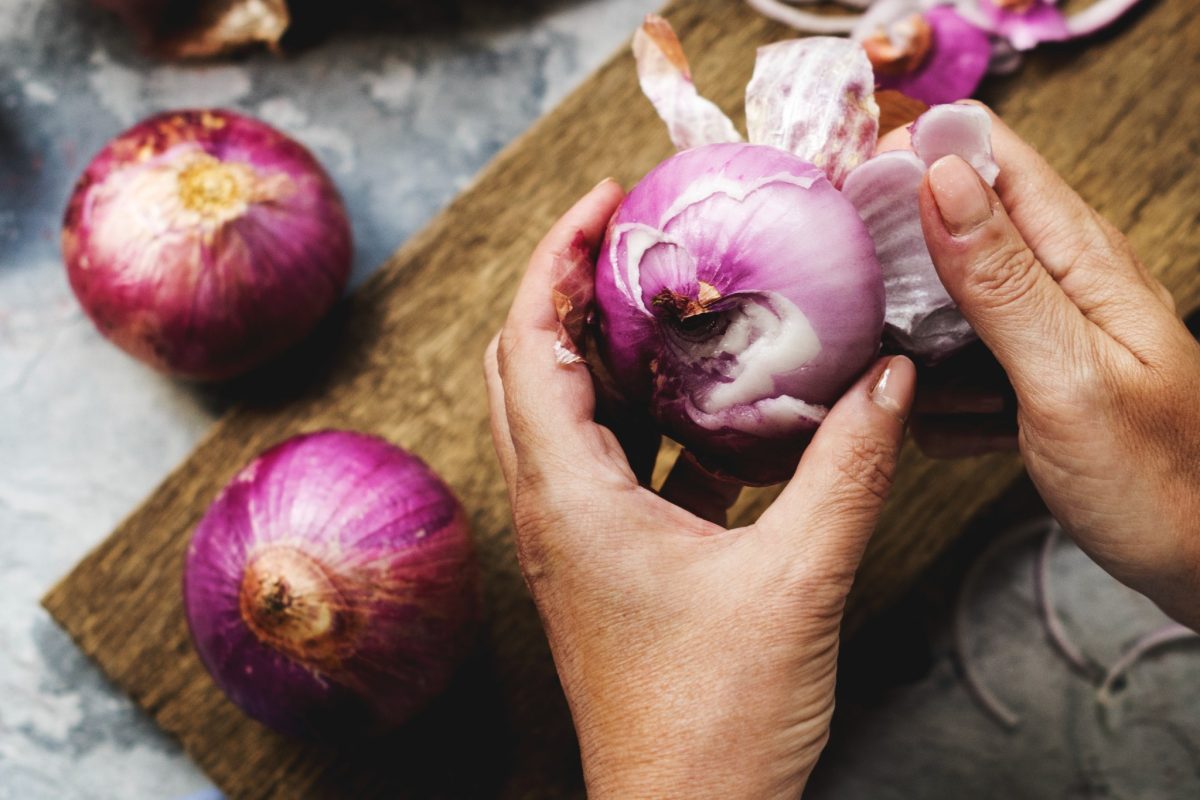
[
  {"x": 827, "y": 512},
  {"x": 1011, "y": 301}
]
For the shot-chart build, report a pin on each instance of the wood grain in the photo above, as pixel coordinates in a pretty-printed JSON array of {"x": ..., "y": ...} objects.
[{"x": 402, "y": 359}]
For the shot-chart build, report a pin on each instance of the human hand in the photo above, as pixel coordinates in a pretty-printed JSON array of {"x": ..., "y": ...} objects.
[
  {"x": 1106, "y": 376},
  {"x": 697, "y": 661}
]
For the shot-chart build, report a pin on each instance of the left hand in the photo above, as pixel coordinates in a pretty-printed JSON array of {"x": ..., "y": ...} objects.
[{"x": 697, "y": 661}]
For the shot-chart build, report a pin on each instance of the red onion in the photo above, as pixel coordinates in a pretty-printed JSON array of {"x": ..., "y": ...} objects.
[
  {"x": 739, "y": 295},
  {"x": 934, "y": 55},
  {"x": 205, "y": 242},
  {"x": 331, "y": 588},
  {"x": 740, "y": 288}
]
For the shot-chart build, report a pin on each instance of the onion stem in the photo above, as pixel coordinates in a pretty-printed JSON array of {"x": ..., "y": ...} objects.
[{"x": 804, "y": 20}]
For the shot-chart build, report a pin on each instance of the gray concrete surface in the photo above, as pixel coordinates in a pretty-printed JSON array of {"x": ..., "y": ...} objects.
[{"x": 403, "y": 115}]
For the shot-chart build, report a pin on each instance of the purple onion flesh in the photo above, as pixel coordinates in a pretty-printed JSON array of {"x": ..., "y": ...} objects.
[
  {"x": 331, "y": 589},
  {"x": 738, "y": 295},
  {"x": 205, "y": 242}
]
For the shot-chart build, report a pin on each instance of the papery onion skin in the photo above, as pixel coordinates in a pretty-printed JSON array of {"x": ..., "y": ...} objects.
[
  {"x": 331, "y": 589},
  {"x": 791, "y": 258},
  {"x": 204, "y": 242},
  {"x": 202, "y": 28}
]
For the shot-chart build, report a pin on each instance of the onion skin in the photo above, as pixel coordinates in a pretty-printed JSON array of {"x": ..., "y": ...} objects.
[
  {"x": 331, "y": 589},
  {"x": 204, "y": 242},
  {"x": 792, "y": 251},
  {"x": 202, "y": 28}
]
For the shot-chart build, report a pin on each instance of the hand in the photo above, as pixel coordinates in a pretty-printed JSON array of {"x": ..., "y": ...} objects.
[
  {"x": 1107, "y": 378},
  {"x": 697, "y": 661}
]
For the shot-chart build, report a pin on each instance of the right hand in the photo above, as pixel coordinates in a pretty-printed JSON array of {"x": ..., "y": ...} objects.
[{"x": 1106, "y": 376}]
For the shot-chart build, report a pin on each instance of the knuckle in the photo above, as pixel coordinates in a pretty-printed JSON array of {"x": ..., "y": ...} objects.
[
  {"x": 866, "y": 465},
  {"x": 1006, "y": 275}
]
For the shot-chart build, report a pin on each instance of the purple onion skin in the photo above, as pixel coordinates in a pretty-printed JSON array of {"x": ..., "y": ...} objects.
[
  {"x": 331, "y": 589},
  {"x": 205, "y": 242},
  {"x": 779, "y": 244}
]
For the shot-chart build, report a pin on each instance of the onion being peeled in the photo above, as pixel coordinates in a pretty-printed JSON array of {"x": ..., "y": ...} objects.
[
  {"x": 741, "y": 288},
  {"x": 331, "y": 588},
  {"x": 739, "y": 295},
  {"x": 205, "y": 242}
]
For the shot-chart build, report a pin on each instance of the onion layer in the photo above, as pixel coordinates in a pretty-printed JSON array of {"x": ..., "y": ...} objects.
[
  {"x": 205, "y": 242},
  {"x": 331, "y": 588}
]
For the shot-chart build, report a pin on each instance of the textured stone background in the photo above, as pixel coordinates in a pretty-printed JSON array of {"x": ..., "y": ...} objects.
[{"x": 403, "y": 114}]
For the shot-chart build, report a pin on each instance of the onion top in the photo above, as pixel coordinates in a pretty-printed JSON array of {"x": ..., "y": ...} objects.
[{"x": 205, "y": 242}]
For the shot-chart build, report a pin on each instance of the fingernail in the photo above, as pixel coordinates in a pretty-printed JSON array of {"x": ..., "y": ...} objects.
[
  {"x": 961, "y": 198},
  {"x": 893, "y": 390},
  {"x": 601, "y": 183}
]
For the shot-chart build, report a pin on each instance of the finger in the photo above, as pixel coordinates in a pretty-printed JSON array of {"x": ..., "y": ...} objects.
[
  {"x": 697, "y": 490},
  {"x": 964, "y": 435},
  {"x": 501, "y": 438},
  {"x": 1084, "y": 254},
  {"x": 845, "y": 474},
  {"x": 1002, "y": 289},
  {"x": 550, "y": 406}
]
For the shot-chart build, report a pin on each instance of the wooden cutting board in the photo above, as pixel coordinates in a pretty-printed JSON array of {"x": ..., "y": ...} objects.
[{"x": 402, "y": 359}]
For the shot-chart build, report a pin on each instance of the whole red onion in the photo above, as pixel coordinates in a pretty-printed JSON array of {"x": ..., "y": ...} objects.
[
  {"x": 738, "y": 295},
  {"x": 331, "y": 588},
  {"x": 205, "y": 242}
]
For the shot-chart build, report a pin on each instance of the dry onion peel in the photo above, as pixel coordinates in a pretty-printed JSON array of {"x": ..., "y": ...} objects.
[
  {"x": 574, "y": 288},
  {"x": 667, "y": 81},
  {"x": 815, "y": 99}
]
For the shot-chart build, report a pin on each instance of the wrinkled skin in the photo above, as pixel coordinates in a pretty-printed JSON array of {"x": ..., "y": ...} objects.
[
  {"x": 1105, "y": 375},
  {"x": 695, "y": 659}
]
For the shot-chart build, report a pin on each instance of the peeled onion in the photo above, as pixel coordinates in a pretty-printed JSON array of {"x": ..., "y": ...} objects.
[
  {"x": 738, "y": 294},
  {"x": 205, "y": 242},
  {"x": 331, "y": 588}
]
